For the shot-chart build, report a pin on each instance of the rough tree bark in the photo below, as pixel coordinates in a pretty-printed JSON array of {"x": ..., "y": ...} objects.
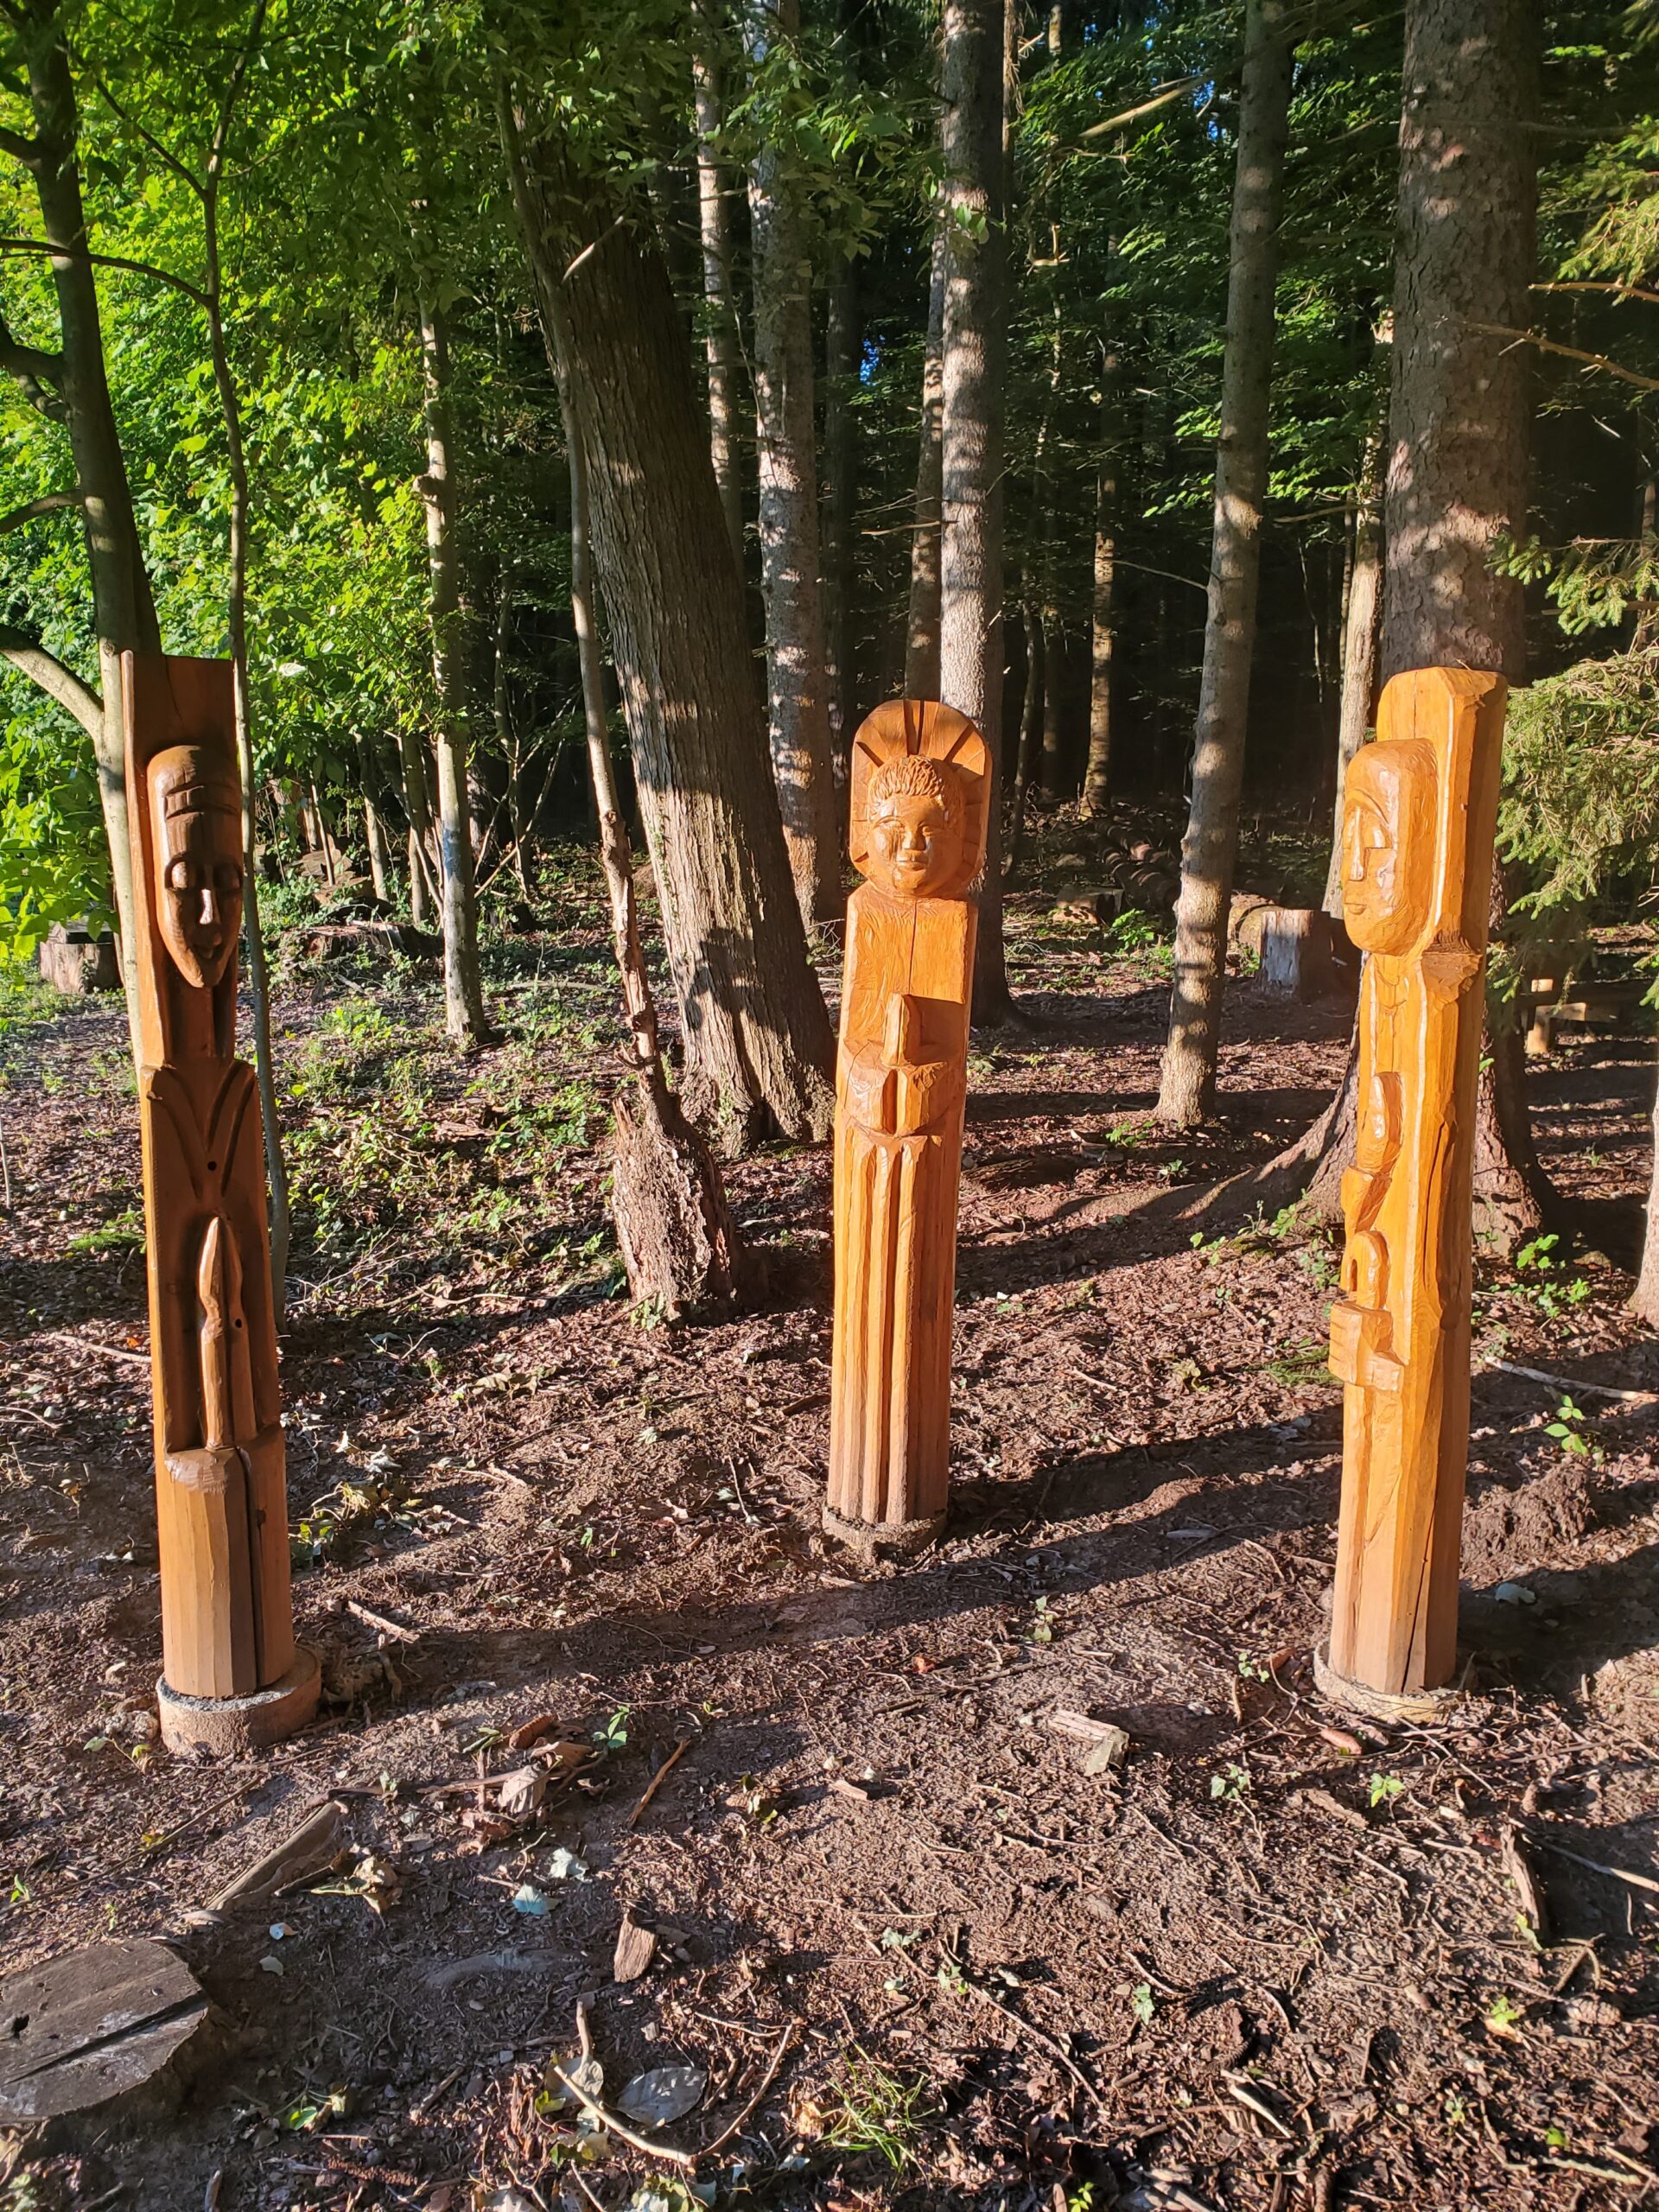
[
  {"x": 760, "y": 1053},
  {"x": 1186, "y": 1093},
  {"x": 1458, "y": 432},
  {"x": 418, "y": 808},
  {"x": 1362, "y": 634},
  {"x": 791, "y": 582},
  {"x": 70, "y": 387},
  {"x": 1055, "y": 783},
  {"x": 971, "y": 568},
  {"x": 463, "y": 981},
  {"x": 922, "y": 625},
  {"x": 668, "y": 1203},
  {"x": 719, "y": 304}
]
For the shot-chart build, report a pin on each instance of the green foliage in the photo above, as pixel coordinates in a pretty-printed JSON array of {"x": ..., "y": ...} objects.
[{"x": 873, "y": 2112}]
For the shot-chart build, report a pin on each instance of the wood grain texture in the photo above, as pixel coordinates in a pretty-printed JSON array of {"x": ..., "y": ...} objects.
[
  {"x": 220, "y": 1487},
  {"x": 920, "y": 792},
  {"x": 1418, "y": 824}
]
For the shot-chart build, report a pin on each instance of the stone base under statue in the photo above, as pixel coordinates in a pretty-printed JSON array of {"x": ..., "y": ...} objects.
[
  {"x": 889, "y": 1539},
  {"x": 230, "y": 1725},
  {"x": 1422, "y": 1708}
]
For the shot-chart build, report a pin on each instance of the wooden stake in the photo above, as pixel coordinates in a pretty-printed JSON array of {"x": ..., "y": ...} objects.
[{"x": 1418, "y": 824}]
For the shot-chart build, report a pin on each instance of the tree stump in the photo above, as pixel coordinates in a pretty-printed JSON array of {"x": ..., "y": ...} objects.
[
  {"x": 76, "y": 962},
  {"x": 92, "y": 2026},
  {"x": 672, "y": 1222}
]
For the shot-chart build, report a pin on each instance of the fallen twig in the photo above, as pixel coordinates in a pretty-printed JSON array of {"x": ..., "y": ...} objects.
[
  {"x": 766, "y": 2080},
  {"x": 395, "y": 1629},
  {"x": 1569, "y": 1383},
  {"x": 684, "y": 2159},
  {"x": 658, "y": 1779},
  {"x": 1596, "y": 1866},
  {"x": 1251, "y": 2102},
  {"x": 90, "y": 1344}
]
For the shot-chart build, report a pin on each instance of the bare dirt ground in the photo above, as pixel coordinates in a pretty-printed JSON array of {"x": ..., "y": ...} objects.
[{"x": 924, "y": 1954}]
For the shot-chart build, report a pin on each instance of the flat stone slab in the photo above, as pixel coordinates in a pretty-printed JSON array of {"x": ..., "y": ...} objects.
[{"x": 90, "y": 2026}]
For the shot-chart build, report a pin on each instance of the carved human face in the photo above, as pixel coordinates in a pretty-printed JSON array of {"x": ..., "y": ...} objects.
[
  {"x": 196, "y": 818},
  {"x": 914, "y": 846},
  {"x": 1388, "y": 846}
]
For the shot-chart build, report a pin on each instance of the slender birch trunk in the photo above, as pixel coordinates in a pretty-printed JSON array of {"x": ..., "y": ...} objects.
[
  {"x": 921, "y": 626},
  {"x": 1187, "y": 1095},
  {"x": 791, "y": 579},
  {"x": 1361, "y": 635},
  {"x": 463, "y": 981},
  {"x": 720, "y": 328},
  {"x": 970, "y": 591}
]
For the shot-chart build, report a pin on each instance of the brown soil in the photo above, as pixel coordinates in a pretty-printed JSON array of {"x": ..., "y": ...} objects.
[{"x": 1253, "y": 1969}]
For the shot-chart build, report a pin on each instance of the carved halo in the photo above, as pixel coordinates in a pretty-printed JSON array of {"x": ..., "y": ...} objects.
[{"x": 927, "y": 728}]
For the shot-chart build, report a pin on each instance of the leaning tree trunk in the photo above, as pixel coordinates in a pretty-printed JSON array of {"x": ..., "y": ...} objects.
[
  {"x": 971, "y": 432},
  {"x": 1031, "y": 723},
  {"x": 719, "y": 299},
  {"x": 463, "y": 981},
  {"x": 1644, "y": 1300},
  {"x": 1187, "y": 1095},
  {"x": 667, "y": 1200},
  {"x": 759, "y": 1054},
  {"x": 791, "y": 579},
  {"x": 1459, "y": 416},
  {"x": 922, "y": 623},
  {"x": 1361, "y": 633},
  {"x": 417, "y": 810},
  {"x": 71, "y": 387}
]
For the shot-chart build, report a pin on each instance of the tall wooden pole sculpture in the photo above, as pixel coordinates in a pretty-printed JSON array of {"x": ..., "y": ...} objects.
[
  {"x": 233, "y": 1676},
  {"x": 1418, "y": 822},
  {"x": 920, "y": 791}
]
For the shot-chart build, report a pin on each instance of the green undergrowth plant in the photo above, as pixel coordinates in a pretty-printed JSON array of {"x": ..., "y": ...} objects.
[{"x": 871, "y": 2111}]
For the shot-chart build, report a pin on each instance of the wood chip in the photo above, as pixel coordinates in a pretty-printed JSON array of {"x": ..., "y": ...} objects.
[
  {"x": 1340, "y": 1740},
  {"x": 1337, "y": 1810},
  {"x": 636, "y": 1947},
  {"x": 1518, "y": 1867},
  {"x": 313, "y": 1845},
  {"x": 842, "y": 1788},
  {"x": 532, "y": 1732}
]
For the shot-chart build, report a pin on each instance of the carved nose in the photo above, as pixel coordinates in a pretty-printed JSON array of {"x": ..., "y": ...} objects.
[{"x": 209, "y": 904}]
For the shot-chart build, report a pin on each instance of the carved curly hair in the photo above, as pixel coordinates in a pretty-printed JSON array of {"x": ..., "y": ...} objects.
[{"x": 911, "y": 775}]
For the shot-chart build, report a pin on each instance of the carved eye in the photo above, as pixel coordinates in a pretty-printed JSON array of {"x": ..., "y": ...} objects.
[{"x": 181, "y": 871}]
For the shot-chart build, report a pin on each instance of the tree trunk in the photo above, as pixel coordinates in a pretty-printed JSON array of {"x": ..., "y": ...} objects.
[
  {"x": 237, "y": 614},
  {"x": 1031, "y": 723},
  {"x": 720, "y": 301},
  {"x": 1053, "y": 774},
  {"x": 921, "y": 627},
  {"x": 124, "y": 611},
  {"x": 1644, "y": 1300},
  {"x": 1362, "y": 632},
  {"x": 840, "y": 481},
  {"x": 1187, "y": 1091},
  {"x": 791, "y": 576},
  {"x": 1097, "y": 775},
  {"x": 667, "y": 1200},
  {"x": 759, "y": 1054},
  {"x": 971, "y": 568},
  {"x": 1458, "y": 420},
  {"x": 417, "y": 806},
  {"x": 374, "y": 833},
  {"x": 463, "y": 981}
]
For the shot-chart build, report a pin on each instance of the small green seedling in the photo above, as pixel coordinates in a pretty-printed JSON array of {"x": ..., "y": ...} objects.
[
  {"x": 1142, "y": 2003},
  {"x": 1231, "y": 1786},
  {"x": 1385, "y": 1788}
]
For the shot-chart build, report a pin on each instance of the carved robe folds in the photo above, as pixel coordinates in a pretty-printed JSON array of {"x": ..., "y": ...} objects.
[
  {"x": 1419, "y": 817},
  {"x": 917, "y": 835},
  {"x": 231, "y": 1674}
]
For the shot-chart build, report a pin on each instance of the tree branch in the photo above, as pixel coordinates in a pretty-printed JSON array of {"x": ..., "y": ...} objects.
[
  {"x": 1568, "y": 352},
  {"x": 20, "y": 148},
  {"x": 49, "y": 503},
  {"x": 163, "y": 152},
  {"x": 58, "y": 682},
  {"x": 1588, "y": 284},
  {"x": 1133, "y": 114},
  {"x": 105, "y": 261},
  {"x": 33, "y": 369}
]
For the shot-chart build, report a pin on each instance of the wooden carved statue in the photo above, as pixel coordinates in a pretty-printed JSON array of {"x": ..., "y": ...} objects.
[
  {"x": 231, "y": 1674},
  {"x": 1418, "y": 820},
  {"x": 920, "y": 779}
]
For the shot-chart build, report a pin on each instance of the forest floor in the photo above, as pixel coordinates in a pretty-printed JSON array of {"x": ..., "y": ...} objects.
[{"x": 927, "y": 1947}]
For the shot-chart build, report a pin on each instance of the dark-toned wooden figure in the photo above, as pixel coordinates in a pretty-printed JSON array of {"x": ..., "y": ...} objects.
[
  {"x": 1419, "y": 814},
  {"x": 233, "y": 1677},
  {"x": 920, "y": 777}
]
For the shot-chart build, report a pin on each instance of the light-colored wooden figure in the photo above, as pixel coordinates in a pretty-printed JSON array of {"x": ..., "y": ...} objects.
[
  {"x": 1418, "y": 824},
  {"x": 920, "y": 788},
  {"x": 233, "y": 1677}
]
